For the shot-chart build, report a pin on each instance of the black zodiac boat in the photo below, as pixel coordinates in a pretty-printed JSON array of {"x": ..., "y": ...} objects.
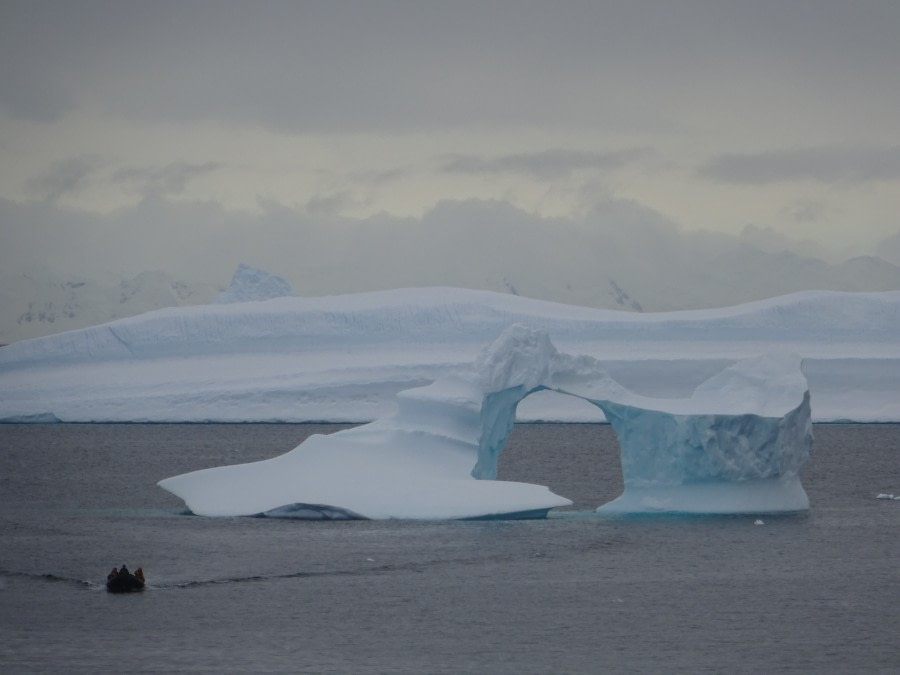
[{"x": 124, "y": 581}]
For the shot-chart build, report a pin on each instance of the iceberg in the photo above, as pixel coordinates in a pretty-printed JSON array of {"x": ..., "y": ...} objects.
[
  {"x": 252, "y": 284},
  {"x": 345, "y": 358},
  {"x": 736, "y": 445}
]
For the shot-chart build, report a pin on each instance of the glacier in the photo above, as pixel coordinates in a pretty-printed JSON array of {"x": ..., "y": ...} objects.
[
  {"x": 736, "y": 445},
  {"x": 345, "y": 358}
]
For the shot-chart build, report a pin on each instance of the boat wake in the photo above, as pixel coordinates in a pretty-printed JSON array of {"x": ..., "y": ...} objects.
[{"x": 53, "y": 578}]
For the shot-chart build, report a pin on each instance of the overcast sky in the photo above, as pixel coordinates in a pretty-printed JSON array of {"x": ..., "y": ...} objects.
[{"x": 142, "y": 133}]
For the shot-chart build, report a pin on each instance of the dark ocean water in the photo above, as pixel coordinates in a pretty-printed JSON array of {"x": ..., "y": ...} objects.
[{"x": 576, "y": 593}]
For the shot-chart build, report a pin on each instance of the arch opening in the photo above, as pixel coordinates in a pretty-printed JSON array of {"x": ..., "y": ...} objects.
[
  {"x": 584, "y": 464},
  {"x": 579, "y": 461}
]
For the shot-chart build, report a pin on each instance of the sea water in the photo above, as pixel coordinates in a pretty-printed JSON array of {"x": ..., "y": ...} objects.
[{"x": 576, "y": 593}]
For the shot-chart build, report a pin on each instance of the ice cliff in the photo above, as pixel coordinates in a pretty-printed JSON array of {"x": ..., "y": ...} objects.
[
  {"x": 735, "y": 446},
  {"x": 345, "y": 358}
]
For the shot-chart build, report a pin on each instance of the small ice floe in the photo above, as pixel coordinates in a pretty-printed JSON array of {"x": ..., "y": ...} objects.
[
  {"x": 370, "y": 559},
  {"x": 884, "y": 495},
  {"x": 758, "y": 521}
]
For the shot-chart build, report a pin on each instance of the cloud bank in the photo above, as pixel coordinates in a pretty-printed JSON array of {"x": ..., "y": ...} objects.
[
  {"x": 821, "y": 164},
  {"x": 652, "y": 155},
  {"x": 620, "y": 254},
  {"x": 548, "y": 164},
  {"x": 395, "y": 65}
]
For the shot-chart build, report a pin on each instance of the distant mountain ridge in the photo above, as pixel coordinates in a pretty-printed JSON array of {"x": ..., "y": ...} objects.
[
  {"x": 32, "y": 305},
  {"x": 41, "y": 303},
  {"x": 252, "y": 284},
  {"x": 731, "y": 277}
]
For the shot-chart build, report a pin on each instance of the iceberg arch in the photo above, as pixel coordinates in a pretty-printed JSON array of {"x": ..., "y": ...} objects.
[{"x": 735, "y": 446}]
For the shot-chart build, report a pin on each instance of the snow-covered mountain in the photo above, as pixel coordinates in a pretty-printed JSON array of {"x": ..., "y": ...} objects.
[
  {"x": 654, "y": 272},
  {"x": 252, "y": 284},
  {"x": 729, "y": 277},
  {"x": 40, "y": 303}
]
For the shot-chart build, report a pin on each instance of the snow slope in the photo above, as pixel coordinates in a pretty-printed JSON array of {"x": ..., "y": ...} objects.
[{"x": 344, "y": 358}]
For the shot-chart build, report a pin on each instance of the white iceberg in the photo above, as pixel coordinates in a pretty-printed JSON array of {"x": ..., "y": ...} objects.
[
  {"x": 250, "y": 284},
  {"x": 345, "y": 358},
  {"x": 735, "y": 446}
]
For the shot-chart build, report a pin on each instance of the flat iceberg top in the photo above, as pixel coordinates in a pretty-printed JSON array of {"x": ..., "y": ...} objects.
[
  {"x": 410, "y": 316},
  {"x": 768, "y": 386},
  {"x": 345, "y": 358},
  {"x": 381, "y": 471}
]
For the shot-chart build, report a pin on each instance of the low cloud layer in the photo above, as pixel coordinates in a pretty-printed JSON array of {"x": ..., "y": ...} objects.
[
  {"x": 685, "y": 153},
  {"x": 547, "y": 164},
  {"x": 620, "y": 253},
  {"x": 170, "y": 180},
  {"x": 67, "y": 176},
  {"x": 390, "y": 65},
  {"x": 822, "y": 164}
]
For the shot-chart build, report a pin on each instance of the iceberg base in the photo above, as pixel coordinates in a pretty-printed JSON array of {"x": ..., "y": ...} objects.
[
  {"x": 531, "y": 514},
  {"x": 311, "y": 512},
  {"x": 765, "y": 495}
]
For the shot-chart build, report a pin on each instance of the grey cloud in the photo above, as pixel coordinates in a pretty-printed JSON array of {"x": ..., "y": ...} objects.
[
  {"x": 331, "y": 204},
  {"x": 396, "y": 65},
  {"x": 821, "y": 164},
  {"x": 889, "y": 248},
  {"x": 171, "y": 179},
  {"x": 807, "y": 211},
  {"x": 552, "y": 163},
  {"x": 770, "y": 241},
  {"x": 64, "y": 177},
  {"x": 376, "y": 178},
  {"x": 33, "y": 80},
  {"x": 477, "y": 244},
  {"x": 34, "y": 99}
]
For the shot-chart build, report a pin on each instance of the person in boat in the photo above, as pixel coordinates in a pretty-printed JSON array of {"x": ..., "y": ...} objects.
[{"x": 122, "y": 581}]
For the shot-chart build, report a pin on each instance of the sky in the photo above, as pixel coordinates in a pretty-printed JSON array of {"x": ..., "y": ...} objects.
[{"x": 191, "y": 136}]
